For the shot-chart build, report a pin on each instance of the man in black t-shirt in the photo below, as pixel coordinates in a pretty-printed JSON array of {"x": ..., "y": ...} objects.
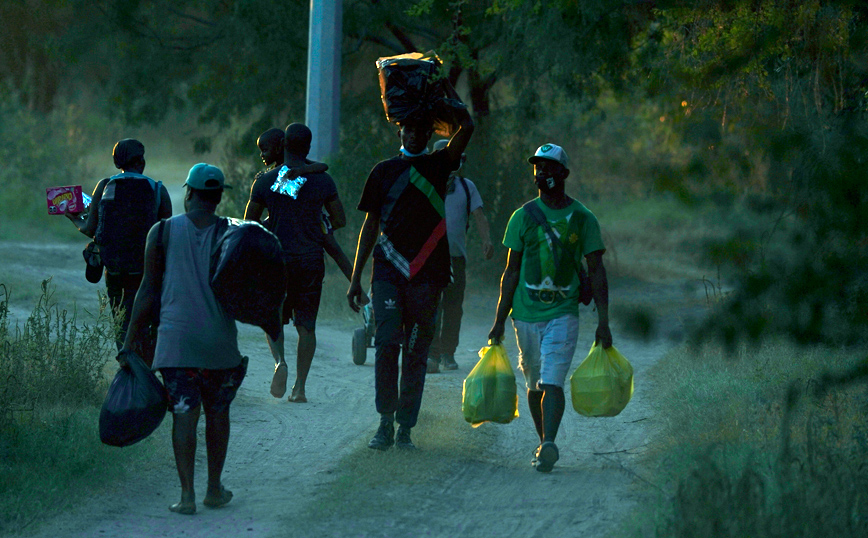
[
  {"x": 295, "y": 201},
  {"x": 405, "y": 221}
]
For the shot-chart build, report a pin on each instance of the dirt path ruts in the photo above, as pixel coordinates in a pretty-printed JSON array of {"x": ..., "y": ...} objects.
[{"x": 280, "y": 452}]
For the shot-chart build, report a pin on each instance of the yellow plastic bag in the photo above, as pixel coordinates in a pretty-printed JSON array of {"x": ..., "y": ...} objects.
[
  {"x": 603, "y": 384},
  {"x": 489, "y": 393}
]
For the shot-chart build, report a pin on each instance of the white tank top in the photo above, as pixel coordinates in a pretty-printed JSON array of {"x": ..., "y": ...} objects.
[{"x": 195, "y": 331}]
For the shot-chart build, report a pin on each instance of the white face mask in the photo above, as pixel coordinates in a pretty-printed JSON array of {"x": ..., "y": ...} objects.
[{"x": 550, "y": 185}]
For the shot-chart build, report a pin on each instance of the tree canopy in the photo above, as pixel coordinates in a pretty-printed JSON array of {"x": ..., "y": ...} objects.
[{"x": 760, "y": 101}]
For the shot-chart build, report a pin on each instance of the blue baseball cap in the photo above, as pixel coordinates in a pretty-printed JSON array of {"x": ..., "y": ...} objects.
[{"x": 205, "y": 177}]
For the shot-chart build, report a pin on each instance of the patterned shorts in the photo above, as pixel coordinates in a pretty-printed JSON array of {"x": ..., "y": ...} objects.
[{"x": 213, "y": 389}]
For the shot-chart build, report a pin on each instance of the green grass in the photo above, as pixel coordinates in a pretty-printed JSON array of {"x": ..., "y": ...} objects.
[
  {"x": 54, "y": 372},
  {"x": 749, "y": 447}
]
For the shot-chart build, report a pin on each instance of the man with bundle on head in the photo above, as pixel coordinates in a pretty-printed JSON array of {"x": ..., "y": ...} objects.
[
  {"x": 123, "y": 209},
  {"x": 405, "y": 228},
  {"x": 197, "y": 343},
  {"x": 541, "y": 286},
  {"x": 462, "y": 200},
  {"x": 295, "y": 194}
]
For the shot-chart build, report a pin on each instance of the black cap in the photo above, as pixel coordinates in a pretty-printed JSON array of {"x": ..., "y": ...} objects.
[{"x": 126, "y": 151}]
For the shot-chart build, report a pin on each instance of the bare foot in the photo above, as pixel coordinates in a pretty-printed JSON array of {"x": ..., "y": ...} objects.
[
  {"x": 278, "y": 382},
  {"x": 297, "y": 396},
  {"x": 218, "y": 498},
  {"x": 185, "y": 508}
]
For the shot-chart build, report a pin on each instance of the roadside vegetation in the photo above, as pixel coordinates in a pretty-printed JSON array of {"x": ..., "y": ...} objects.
[
  {"x": 721, "y": 142},
  {"x": 54, "y": 371},
  {"x": 769, "y": 440}
]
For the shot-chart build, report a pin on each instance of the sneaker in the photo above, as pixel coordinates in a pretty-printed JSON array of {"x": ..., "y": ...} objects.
[
  {"x": 384, "y": 438},
  {"x": 402, "y": 439},
  {"x": 448, "y": 362},
  {"x": 433, "y": 366},
  {"x": 535, "y": 459},
  {"x": 546, "y": 457}
]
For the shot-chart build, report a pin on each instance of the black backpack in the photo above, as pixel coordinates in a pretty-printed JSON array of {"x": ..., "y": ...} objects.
[{"x": 127, "y": 210}]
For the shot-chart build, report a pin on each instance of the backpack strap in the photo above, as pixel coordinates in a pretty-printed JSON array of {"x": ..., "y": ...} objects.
[
  {"x": 161, "y": 260},
  {"x": 537, "y": 215},
  {"x": 158, "y": 188},
  {"x": 466, "y": 197}
]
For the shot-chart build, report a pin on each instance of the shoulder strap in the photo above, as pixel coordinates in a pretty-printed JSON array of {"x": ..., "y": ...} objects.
[
  {"x": 466, "y": 192},
  {"x": 158, "y": 188},
  {"x": 467, "y": 198},
  {"x": 537, "y": 215},
  {"x": 221, "y": 226}
]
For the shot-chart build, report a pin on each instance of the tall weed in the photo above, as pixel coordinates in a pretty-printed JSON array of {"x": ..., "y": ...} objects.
[{"x": 52, "y": 380}]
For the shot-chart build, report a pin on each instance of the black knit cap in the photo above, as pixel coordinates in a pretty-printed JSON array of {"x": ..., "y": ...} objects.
[{"x": 126, "y": 151}]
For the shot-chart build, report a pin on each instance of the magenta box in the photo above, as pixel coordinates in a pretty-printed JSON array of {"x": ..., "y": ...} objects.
[{"x": 59, "y": 198}]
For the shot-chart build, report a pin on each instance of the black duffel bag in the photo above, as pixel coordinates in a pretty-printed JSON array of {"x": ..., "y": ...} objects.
[
  {"x": 134, "y": 406},
  {"x": 248, "y": 275}
]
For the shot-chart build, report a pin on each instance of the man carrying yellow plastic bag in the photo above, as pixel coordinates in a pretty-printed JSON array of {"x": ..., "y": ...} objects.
[{"x": 541, "y": 289}]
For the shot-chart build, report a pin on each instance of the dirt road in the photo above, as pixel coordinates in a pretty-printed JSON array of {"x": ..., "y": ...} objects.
[{"x": 296, "y": 469}]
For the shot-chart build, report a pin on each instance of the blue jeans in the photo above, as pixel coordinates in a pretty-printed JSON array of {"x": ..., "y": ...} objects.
[{"x": 404, "y": 315}]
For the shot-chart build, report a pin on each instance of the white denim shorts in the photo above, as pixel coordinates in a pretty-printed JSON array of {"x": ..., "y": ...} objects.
[{"x": 546, "y": 349}]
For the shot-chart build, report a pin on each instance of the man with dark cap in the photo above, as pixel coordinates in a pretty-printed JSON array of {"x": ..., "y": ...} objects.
[
  {"x": 123, "y": 209},
  {"x": 295, "y": 201},
  {"x": 197, "y": 346},
  {"x": 548, "y": 238},
  {"x": 405, "y": 229}
]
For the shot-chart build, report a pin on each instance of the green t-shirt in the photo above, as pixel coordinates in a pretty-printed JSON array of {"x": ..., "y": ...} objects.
[{"x": 544, "y": 291}]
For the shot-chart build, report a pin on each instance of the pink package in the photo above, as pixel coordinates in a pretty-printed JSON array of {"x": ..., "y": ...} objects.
[{"x": 59, "y": 198}]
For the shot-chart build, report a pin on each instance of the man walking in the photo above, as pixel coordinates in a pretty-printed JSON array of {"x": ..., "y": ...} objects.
[
  {"x": 197, "y": 345},
  {"x": 122, "y": 210},
  {"x": 405, "y": 221},
  {"x": 295, "y": 204},
  {"x": 540, "y": 288},
  {"x": 462, "y": 200}
]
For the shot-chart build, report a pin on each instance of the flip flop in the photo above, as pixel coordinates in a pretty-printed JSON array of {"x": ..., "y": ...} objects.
[
  {"x": 187, "y": 509},
  {"x": 297, "y": 399},
  {"x": 278, "y": 382},
  {"x": 216, "y": 502}
]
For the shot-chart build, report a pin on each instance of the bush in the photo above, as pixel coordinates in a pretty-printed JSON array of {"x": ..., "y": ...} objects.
[
  {"x": 53, "y": 359},
  {"x": 765, "y": 444},
  {"x": 37, "y": 151},
  {"x": 52, "y": 381}
]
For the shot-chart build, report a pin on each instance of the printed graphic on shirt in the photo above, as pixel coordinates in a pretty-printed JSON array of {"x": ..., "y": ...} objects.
[
  {"x": 546, "y": 280},
  {"x": 286, "y": 185}
]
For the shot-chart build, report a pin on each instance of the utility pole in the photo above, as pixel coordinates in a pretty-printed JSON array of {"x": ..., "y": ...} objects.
[{"x": 324, "y": 77}]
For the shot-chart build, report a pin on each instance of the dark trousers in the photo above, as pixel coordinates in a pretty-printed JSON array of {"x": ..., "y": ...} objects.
[
  {"x": 448, "y": 322},
  {"x": 404, "y": 314},
  {"x": 121, "y": 289}
]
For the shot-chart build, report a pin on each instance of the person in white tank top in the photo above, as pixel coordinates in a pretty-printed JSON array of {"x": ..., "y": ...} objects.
[{"x": 197, "y": 347}]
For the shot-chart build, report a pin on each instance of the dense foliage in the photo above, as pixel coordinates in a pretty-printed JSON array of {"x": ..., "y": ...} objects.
[{"x": 731, "y": 101}]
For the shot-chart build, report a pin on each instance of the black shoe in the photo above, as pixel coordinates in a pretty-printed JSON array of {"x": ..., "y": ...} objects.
[
  {"x": 433, "y": 366},
  {"x": 448, "y": 362},
  {"x": 546, "y": 457},
  {"x": 384, "y": 438},
  {"x": 402, "y": 439}
]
